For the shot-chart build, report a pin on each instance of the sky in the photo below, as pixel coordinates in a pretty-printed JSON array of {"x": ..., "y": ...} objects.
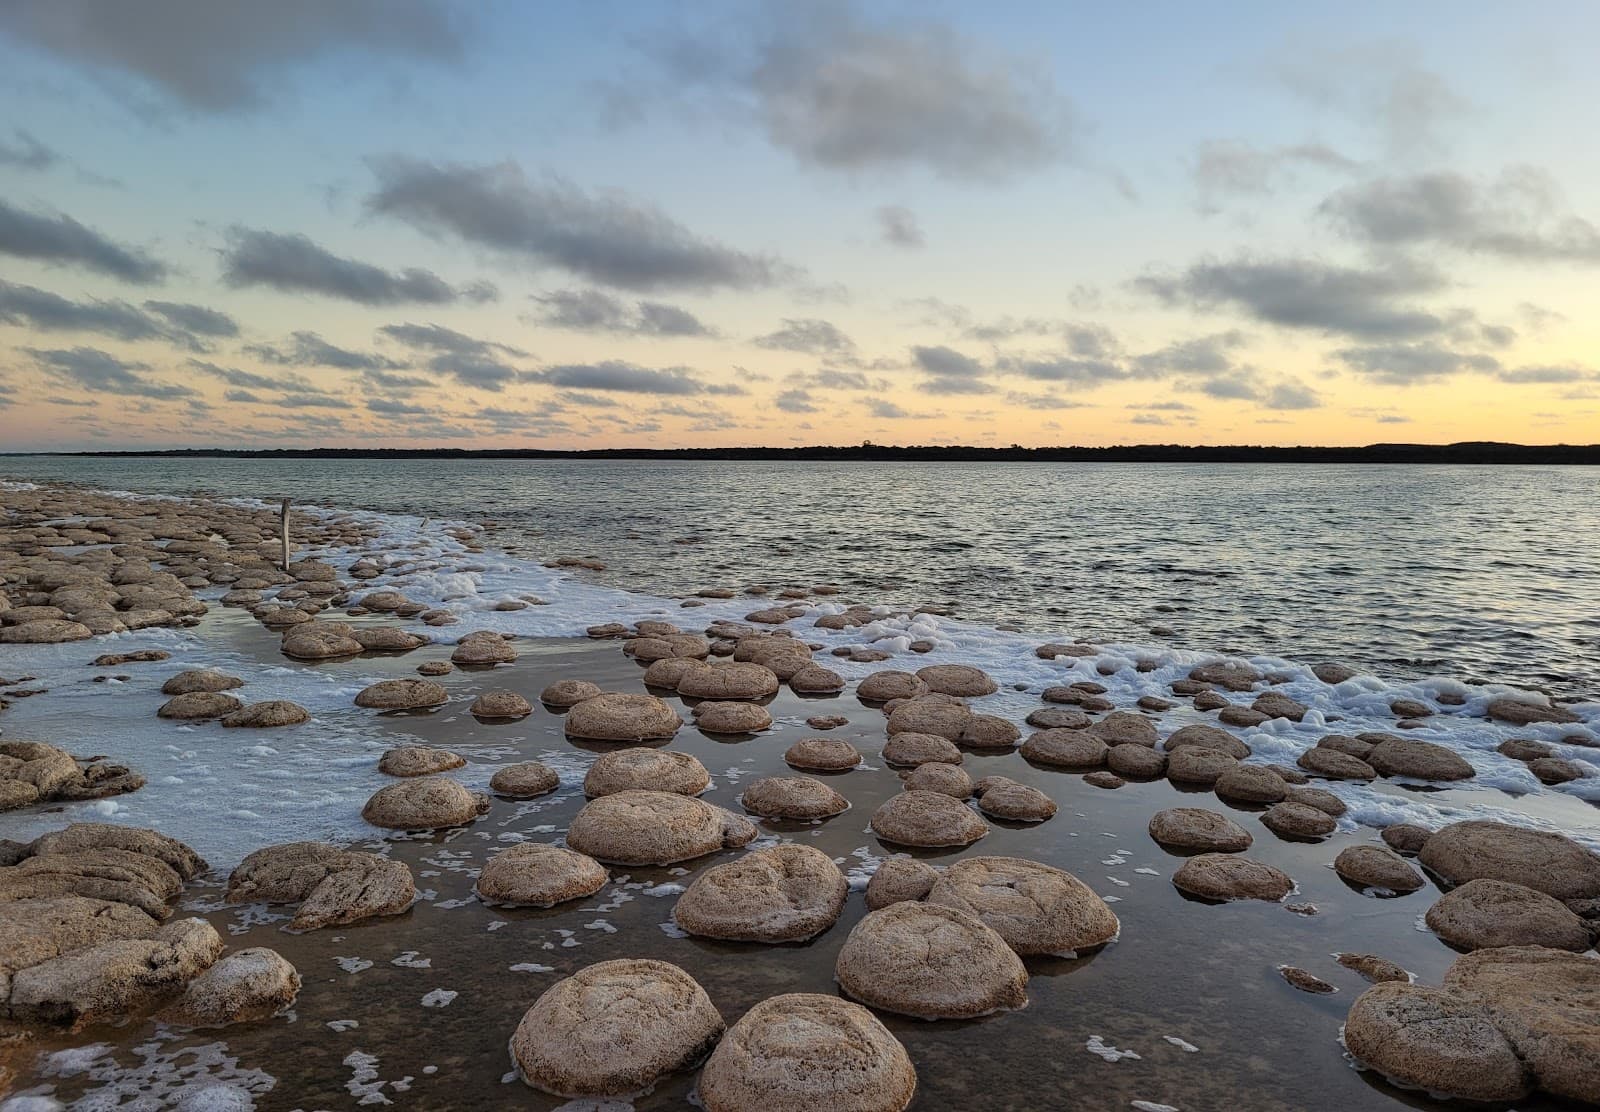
[{"x": 426, "y": 223}]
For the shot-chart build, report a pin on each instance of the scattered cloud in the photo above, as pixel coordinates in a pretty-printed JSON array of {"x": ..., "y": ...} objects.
[
  {"x": 1382, "y": 86},
  {"x": 214, "y": 57},
  {"x": 25, "y": 152},
  {"x": 809, "y": 335},
  {"x": 195, "y": 319},
  {"x": 795, "y": 401},
  {"x": 100, "y": 372},
  {"x": 1409, "y": 364},
  {"x": 606, "y": 238},
  {"x": 43, "y": 311},
  {"x": 881, "y": 407},
  {"x": 591, "y": 310},
  {"x": 251, "y": 380},
  {"x": 627, "y": 378},
  {"x": 307, "y": 349},
  {"x": 294, "y": 264},
  {"x": 473, "y": 362},
  {"x": 898, "y": 227},
  {"x": 59, "y": 240},
  {"x": 1225, "y": 169}
]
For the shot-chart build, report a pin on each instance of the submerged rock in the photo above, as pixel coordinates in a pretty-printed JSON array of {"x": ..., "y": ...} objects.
[
  {"x": 615, "y": 717},
  {"x": 802, "y": 1052},
  {"x": 334, "y": 887},
  {"x": 425, "y": 803},
  {"x": 407, "y": 694},
  {"x": 533, "y": 874},
  {"x": 1192, "y": 828},
  {"x": 1224, "y": 876},
  {"x": 927, "y": 819},
  {"x": 654, "y": 828},
  {"x": 1373, "y": 967},
  {"x": 200, "y": 679},
  {"x": 1036, "y": 908},
  {"x": 931, "y": 962},
  {"x": 245, "y": 986},
  {"x": 785, "y": 893},
  {"x": 1520, "y": 712},
  {"x": 792, "y": 797},
  {"x": 198, "y": 704},
  {"x": 614, "y": 1029},
  {"x": 418, "y": 760},
  {"x": 267, "y": 715}
]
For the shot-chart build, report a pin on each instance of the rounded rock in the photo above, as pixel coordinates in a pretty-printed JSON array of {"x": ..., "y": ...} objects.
[
  {"x": 821, "y": 754},
  {"x": 935, "y": 776},
  {"x": 1298, "y": 820},
  {"x": 960, "y": 680},
  {"x": 931, "y": 962},
  {"x": 654, "y": 828},
  {"x": 927, "y": 819},
  {"x": 568, "y": 693},
  {"x": 425, "y": 803},
  {"x": 1376, "y": 867},
  {"x": 1487, "y": 913},
  {"x": 1207, "y": 737},
  {"x": 881, "y": 687},
  {"x": 405, "y": 694},
  {"x": 272, "y": 713},
  {"x": 1196, "y": 829},
  {"x": 1222, "y": 877},
  {"x": 1036, "y": 908},
  {"x": 785, "y": 893},
  {"x": 199, "y": 704},
  {"x": 1250, "y": 784},
  {"x": 731, "y": 718},
  {"x": 1072, "y": 749},
  {"x": 200, "y": 679},
  {"x": 1000, "y": 797},
  {"x": 615, "y": 717},
  {"x": 656, "y": 770},
  {"x": 728, "y": 681},
  {"x": 418, "y": 760},
  {"x": 792, "y": 797},
  {"x": 536, "y": 875},
  {"x": 525, "y": 780},
  {"x": 942, "y": 715},
  {"x": 898, "y": 880},
  {"x": 1195, "y": 764},
  {"x": 909, "y": 750},
  {"x": 1551, "y": 863},
  {"x": 1435, "y": 1040}
]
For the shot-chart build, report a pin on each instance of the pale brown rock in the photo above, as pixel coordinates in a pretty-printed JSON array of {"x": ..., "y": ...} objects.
[
  {"x": 483, "y": 647},
  {"x": 1520, "y": 712},
  {"x": 927, "y": 819},
  {"x": 1002, "y": 798},
  {"x": 820, "y": 754},
  {"x": 200, "y": 679},
  {"x": 654, "y": 828},
  {"x": 1551, "y": 863},
  {"x": 1297, "y": 820},
  {"x": 616, "y": 717},
  {"x": 1122, "y": 727},
  {"x": 500, "y": 704},
  {"x": 1233, "y": 675},
  {"x": 645, "y": 770},
  {"x": 418, "y": 760},
  {"x": 912, "y": 749},
  {"x": 737, "y": 681},
  {"x": 532, "y": 874},
  {"x": 1136, "y": 761},
  {"x": 723, "y": 717},
  {"x": 568, "y": 693},
  {"x": 333, "y": 887},
  {"x": 1226, "y": 876},
  {"x": 1324, "y": 801},
  {"x": 943, "y": 715},
  {"x": 814, "y": 679},
  {"x": 1073, "y": 749},
  {"x": 900, "y": 879},
  {"x": 267, "y": 715},
  {"x": 1036, "y": 908},
  {"x": 1207, "y": 737},
  {"x": 881, "y": 687},
  {"x": 424, "y": 803},
  {"x": 987, "y": 731},
  {"x": 525, "y": 780},
  {"x": 1405, "y": 838},
  {"x": 406, "y": 694},
  {"x": 935, "y": 776},
  {"x": 792, "y": 797},
  {"x": 1376, "y": 867},
  {"x": 1420, "y": 759},
  {"x": 960, "y": 680},
  {"x": 198, "y": 704},
  {"x": 785, "y": 893},
  {"x": 1487, "y": 913},
  {"x": 1433, "y": 1039},
  {"x": 246, "y": 986},
  {"x": 1195, "y": 764},
  {"x": 1332, "y": 764},
  {"x": 1193, "y": 828},
  {"x": 1251, "y": 784},
  {"x": 615, "y": 1028},
  {"x": 931, "y": 962}
]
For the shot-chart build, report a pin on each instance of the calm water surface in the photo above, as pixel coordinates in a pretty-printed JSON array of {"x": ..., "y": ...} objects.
[{"x": 1475, "y": 572}]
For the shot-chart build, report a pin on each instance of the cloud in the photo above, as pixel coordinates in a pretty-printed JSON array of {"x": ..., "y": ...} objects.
[
  {"x": 243, "y": 396},
  {"x": 1041, "y": 401},
  {"x": 100, "y": 372},
  {"x": 216, "y": 57},
  {"x": 898, "y": 227},
  {"x": 880, "y": 407},
  {"x": 1200, "y": 355},
  {"x": 29, "y": 306},
  {"x": 844, "y": 94},
  {"x": 943, "y": 362},
  {"x": 1519, "y": 216},
  {"x": 627, "y": 378},
  {"x": 1291, "y": 394},
  {"x": 307, "y": 349},
  {"x": 1366, "y": 303},
  {"x": 59, "y": 240},
  {"x": 1064, "y": 368},
  {"x": 196, "y": 319},
  {"x": 253, "y": 381},
  {"x": 591, "y": 310},
  {"x": 830, "y": 378},
  {"x": 1546, "y": 375},
  {"x": 794, "y": 401},
  {"x": 311, "y": 401},
  {"x": 1378, "y": 85},
  {"x": 1229, "y": 168},
  {"x": 815, "y": 337},
  {"x": 25, "y": 152},
  {"x": 1409, "y": 364},
  {"x": 479, "y": 363},
  {"x": 602, "y": 237},
  {"x": 294, "y": 264}
]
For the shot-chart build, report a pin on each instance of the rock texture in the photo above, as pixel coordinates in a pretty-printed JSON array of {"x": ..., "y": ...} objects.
[
  {"x": 931, "y": 962},
  {"x": 786, "y": 893}
]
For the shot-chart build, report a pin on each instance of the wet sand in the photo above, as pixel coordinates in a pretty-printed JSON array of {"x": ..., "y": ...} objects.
[{"x": 1182, "y": 970}]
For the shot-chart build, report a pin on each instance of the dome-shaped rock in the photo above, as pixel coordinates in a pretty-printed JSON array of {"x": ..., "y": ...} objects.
[
  {"x": 1486, "y": 913},
  {"x": 1000, "y": 797},
  {"x": 533, "y": 874},
  {"x": 931, "y": 962},
  {"x": 525, "y": 780},
  {"x": 199, "y": 704},
  {"x": 1226, "y": 876},
  {"x": 1376, "y": 867},
  {"x": 792, "y": 797},
  {"x": 1036, "y": 908},
  {"x": 1435, "y": 1040},
  {"x": 200, "y": 679},
  {"x": 724, "y": 717},
  {"x": 500, "y": 704},
  {"x": 928, "y": 819},
  {"x": 784, "y": 893},
  {"x": 418, "y": 760},
  {"x": 1075, "y": 749},
  {"x": 654, "y": 828},
  {"x": 1193, "y": 828},
  {"x": 942, "y": 715},
  {"x": 405, "y": 694},
  {"x": 728, "y": 681},
  {"x": 908, "y": 750},
  {"x": 899, "y": 879},
  {"x": 960, "y": 680},
  {"x": 936, "y": 776},
  {"x": 656, "y": 770},
  {"x": 821, "y": 754},
  {"x": 568, "y": 693},
  {"x": 425, "y": 803},
  {"x": 273, "y": 712},
  {"x": 1551, "y": 863},
  {"x": 616, "y": 717}
]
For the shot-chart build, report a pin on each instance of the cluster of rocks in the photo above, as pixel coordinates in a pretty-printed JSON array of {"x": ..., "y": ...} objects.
[
  {"x": 33, "y": 772},
  {"x": 86, "y": 937}
]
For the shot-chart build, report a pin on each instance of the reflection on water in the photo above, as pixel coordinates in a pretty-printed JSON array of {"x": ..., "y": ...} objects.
[
  {"x": 1486, "y": 572},
  {"x": 375, "y": 1022}
]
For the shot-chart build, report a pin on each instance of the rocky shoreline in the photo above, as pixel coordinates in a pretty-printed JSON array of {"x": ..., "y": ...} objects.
[{"x": 921, "y": 927}]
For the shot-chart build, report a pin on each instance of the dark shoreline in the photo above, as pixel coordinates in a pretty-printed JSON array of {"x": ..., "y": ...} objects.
[{"x": 1472, "y": 452}]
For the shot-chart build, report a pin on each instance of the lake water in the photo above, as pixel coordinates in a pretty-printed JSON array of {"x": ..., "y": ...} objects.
[{"x": 1480, "y": 573}]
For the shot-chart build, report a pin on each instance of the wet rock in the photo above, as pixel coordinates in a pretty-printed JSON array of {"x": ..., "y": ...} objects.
[
  {"x": 1194, "y": 828},
  {"x": 1233, "y": 675},
  {"x": 200, "y": 679},
  {"x": 900, "y": 879},
  {"x": 1519, "y": 712},
  {"x": 827, "y": 721},
  {"x": 267, "y": 715},
  {"x": 425, "y": 803},
  {"x": 801, "y": 1051},
  {"x": 1375, "y": 867},
  {"x": 483, "y": 647},
  {"x": 822, "y": 754},
  {"x": 1305, "y": 980},
  {"x": 333, "y": 887},
  {"x": 1251, "y": 784},
  {"x": 1195, "y": 764},
  {"x": 1324, "y": 801},
  {"x": 785, "y": 893},
  {"x": 1155, "y": 703},
  {"x": 568, "y": 693},
  {"x": 731, "y": 717},
  {"x": 140, "y": 656},
  {"x": 1207, "y": 737},
  {"x": 48, "y": 631},
  {"x": 616, "y": 717},
  {"x": 931, "y": 962},
  {"x": 315, "y": 641},
  {"x": 113, "y": 980},
  {"x": 608, "y": 631},
  {"x": 682, "y": 645},
  {"x": 1487, "y": 913},
  {"x": 1235, "y": 715},
  {"x": 1210, "y": 700},
  {"x": 1549, "y": 862},
  {"x": 1136, "y": 761},
  {"x": 37, "y": 930},
  {"x": 1546, "y": 1003},
  {"x": 1420, "y": 759},
  {"x": 1275, "y": 704},
  {"x": 935, "y": 776},
  {"x": 246, "y": 986},
  {"x": 737, "y": 681},
  {"x": 1373, "y": 968},
  {"x": 1226, "y": 876},
  {"x": 1354, "y": 746},
  {"x": 405, "y": 694},
  {"x": 1331, "y": 673},
  {"x": 1078, "y": 695},
  {"x": 654, "y": 828},
  {"x": 1433, "y": 1039},
  {"x": 814, "y": 679},
  {"x": 418, "y": 760},
  {"x": 1556, "y": 770},
  {"x": 960, "y": 680},
  {"x": 82, "y": 837},
  {"x": 792, "y": 797},
  {"x": 1059, "y": 718},
  {"x": 1125, "y": 728},
  {"x": 1036, "y": 908},
  {"x": 1523, "y": 749},
  {"x": 500, "y": 704},
  {"x": 911, "y": 749},
  {"x": 943, "y": 715},
  {"x": 532, "y": 874},
  {"x": 1332, "y": 764},
  {"x": 525, "y": 780},
  {"x": 1103, "y": 779},
  {"x": 927, "y": 819},
  {"x": 987, "y": 731},
  {"x": 1297, "y": 820},
  {"x": 1410, "y": 708},
  {"x": 656, "y": 770},
  {"x": 1404, "y": 838},
  {"x": 1073, "y": 749},
  {"x": 1003, "y": 798},
  {"x": 198, "y": 704},
  {"x": 651, "y": 1017}
]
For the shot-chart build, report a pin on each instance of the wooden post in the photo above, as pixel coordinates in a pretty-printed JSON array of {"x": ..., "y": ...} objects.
[{"x": 285, "y": 534}]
